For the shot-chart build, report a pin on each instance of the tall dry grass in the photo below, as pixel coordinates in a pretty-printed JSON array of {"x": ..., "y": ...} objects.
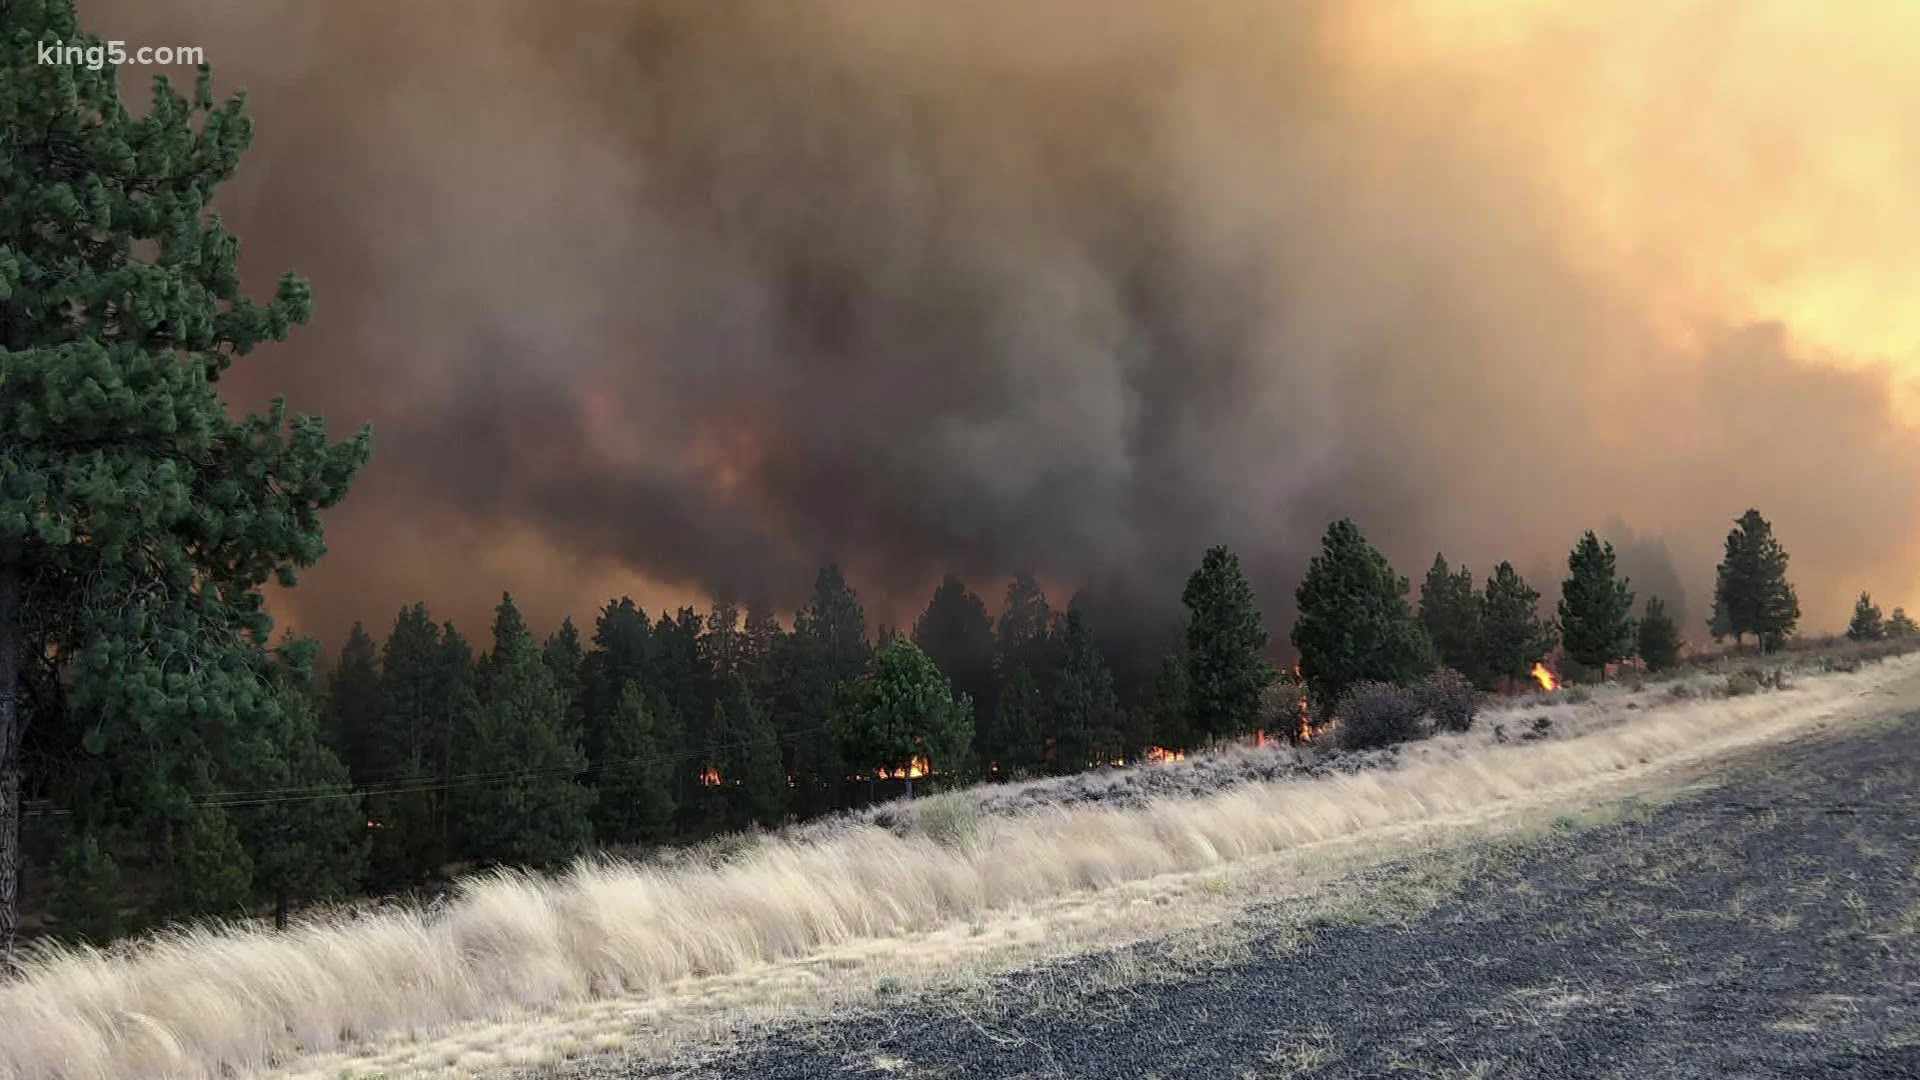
[{"x": 216, "y": 1001}]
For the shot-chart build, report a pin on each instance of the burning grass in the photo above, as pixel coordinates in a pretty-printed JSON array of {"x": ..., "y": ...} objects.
[{"x": 211, "y": 1001}]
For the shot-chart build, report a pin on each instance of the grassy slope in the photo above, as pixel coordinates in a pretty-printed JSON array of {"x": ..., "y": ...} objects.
[{"x": 518, "y": 969}]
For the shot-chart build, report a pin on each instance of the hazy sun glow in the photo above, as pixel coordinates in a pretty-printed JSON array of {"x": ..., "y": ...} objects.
[{"x": 1734, "y": 162}]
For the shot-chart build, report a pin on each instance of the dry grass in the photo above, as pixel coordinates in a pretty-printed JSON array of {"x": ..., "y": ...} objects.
[{"x": 206, "y": 1001}]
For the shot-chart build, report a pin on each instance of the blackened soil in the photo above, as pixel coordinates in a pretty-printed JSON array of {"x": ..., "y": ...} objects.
[{"x": 1768, "y": 927}]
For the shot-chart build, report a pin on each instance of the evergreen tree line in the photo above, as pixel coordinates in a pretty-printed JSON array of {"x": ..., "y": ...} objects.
[
  {"x": 1869, "y": 624},
  {"x": 421, "y": 753},
  {"x": 1356, "y": 623}
]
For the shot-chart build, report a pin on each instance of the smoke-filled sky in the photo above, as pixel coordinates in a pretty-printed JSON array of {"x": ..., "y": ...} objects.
[{"x": 667, "y": 296}]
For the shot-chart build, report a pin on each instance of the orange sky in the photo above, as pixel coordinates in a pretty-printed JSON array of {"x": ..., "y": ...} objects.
[{"x": 1736, "y": 160}]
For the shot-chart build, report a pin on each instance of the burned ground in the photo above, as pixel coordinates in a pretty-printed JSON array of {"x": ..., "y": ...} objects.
[{"x": 1768, "y": 926}]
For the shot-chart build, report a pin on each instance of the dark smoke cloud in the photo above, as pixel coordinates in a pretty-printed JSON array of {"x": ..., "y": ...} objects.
[{"x": 673, "y": 297}]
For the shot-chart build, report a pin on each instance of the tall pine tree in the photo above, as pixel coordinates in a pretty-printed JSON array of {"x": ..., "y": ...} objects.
[
  {"x": 138, "y": 521},
  {"x": 754, "y": 788},
  {"x": 828, "y": 652},
  {"x": 634, "y": 794},
  {"x": 407, "y": 758},
  {"x": 1450, "y": 613},
  {"x": 520, "y": 800},
  {"x": 313, "y": 844},
  {"x": 956, "y": 632},
  {"x": 1019, "y": 726},
  {"x": 618, "y": 658},
  {"x": 1354, "y": 623},
  {"x": 1085, "y": 718},
  {"x": 904, "y": 708},
  {"x": 1659, "y": 637},
  {"x": 1226, "y": 664},
  {"x": 354, "y": 704},
  {"x": 1596, "y": 607},
  {"x": 1024, "y": 633},
  {"x": 1751, "y": 593},
  {"x": 1513, "y": 637},
  {"x": 1865, "y": 624},
  {"x": 567, "y": 660}
]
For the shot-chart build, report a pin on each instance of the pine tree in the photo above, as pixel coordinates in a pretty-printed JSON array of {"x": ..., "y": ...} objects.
[
  {"x": 802, "y": 701},
  {"x": 1085, "y": 716},
  {"x": 1751, "y": 593},
  {"x": 567, "y": 660},
  {"x": 1023, "y": 636},
  {"x": 763, "y": 632},
  {"x": 86, "y": 891},
  {"x": 1226, "y": 642},
  {"x": 404, "y": 761},
  {"x": 212, "y": 873},
  {"x": 724, "y": 645},
  {"x": 957, "y": 634},
  {"x": 1866, "y": 624},
  {"x": 1450, "y": 609},
  {"x": 634, "y": 804},
  {"x": 1019, "y": 723},
  {"x": 1512, "y": 635},
  {"x": 1659, "y": 643},
  {"x": 138, "y": 521},
  {"x": 1899, "y": 626},
  {"x": 1596, "y": 607},
  {"x": 1172, "y": 705},
  {"x": 314, "y": 845},
  {"x": 538, "y": 813},
  {"x": 678, "y": 669},
  {"x": 1354, "y": 622},
  {"x": 832, "y": 619},
  {"x": 354, "y": 704},
  {"x": 828, "y": 655},
  {"x": 619, "y": 657},
  {"x": 904, "y": 708},
  {"x": 754, "y": 783}
]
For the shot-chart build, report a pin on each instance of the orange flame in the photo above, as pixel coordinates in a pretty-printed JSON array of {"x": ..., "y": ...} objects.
[
  {"x": 1547, "y": 679},
  {"x": 710, "y": 778},
  {"x": 915, "y": 769},
  {"x": 1161, "y": 753},
  {"x": 1304, "y": 733}
]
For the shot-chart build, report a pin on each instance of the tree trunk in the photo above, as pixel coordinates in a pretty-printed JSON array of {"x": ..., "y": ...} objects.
[
  {"x": 280, "y": 908},
  {"x": 12, "y": 725}
]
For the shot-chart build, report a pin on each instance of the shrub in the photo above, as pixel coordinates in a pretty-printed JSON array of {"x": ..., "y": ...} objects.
[
  {"x": 1574, "y": 673},
  {"x": 1579, "y": 695},
  {"x": 1375, "y": 714},
  {"x": 1742, "y": 683},
  {"x": 1680, "y": 691},
  {"x": 1448, "y": 698}
]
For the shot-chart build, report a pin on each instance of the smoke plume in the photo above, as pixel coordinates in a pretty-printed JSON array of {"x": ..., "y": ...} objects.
[{"x": 678, "y": 296}]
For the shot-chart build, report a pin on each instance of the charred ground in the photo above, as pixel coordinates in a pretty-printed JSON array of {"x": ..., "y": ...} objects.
[{"x": 1766, "y": 927}]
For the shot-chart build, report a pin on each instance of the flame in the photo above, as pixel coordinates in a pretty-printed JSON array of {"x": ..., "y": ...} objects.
[
  {"x": 1304, "y": 733},
  {"x": 915, "y": 769},
  {"x": 710, "y": 778},
  {"x": 1547, "y": 679},
  {"x": 1161, "y": 753}
]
